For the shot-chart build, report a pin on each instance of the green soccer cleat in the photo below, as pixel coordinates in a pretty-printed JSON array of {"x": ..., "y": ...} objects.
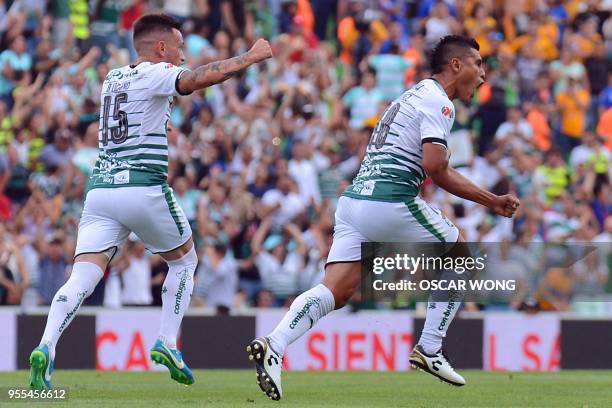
[
  {"x": 173, "y": 359},
  {"x": 41, "y": 367}
]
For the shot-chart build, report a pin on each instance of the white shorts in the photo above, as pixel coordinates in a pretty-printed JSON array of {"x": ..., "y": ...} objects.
[
  {"x": 110, "y": 214},
  {"x": 360, "y": 221}
]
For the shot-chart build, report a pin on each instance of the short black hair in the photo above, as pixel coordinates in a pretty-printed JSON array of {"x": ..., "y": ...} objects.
[
  {"x": 448, "y": 48},
  {"x": 154, "y": 22}
]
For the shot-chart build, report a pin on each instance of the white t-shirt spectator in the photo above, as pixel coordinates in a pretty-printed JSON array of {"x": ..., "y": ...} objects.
[
  {"x": 487, "y": 171},
  {"x": 137, "y": 282},
  {"x": 582, "y": 154},
  {"x": 280, "y": 278},
  {"x": 509, "y": 129},
  {"x": 305, "y": 174},
  {"x": 291, "y": 206},
  {"x": 219, "y": 283}
]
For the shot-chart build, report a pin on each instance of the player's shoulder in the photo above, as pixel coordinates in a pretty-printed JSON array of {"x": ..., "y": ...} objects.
[
  {"x": 434, "y": 91},
  {"x": 125, "y": 72},
  {"x": 163, "y": 67},
  {"x": 428, "y": 95}
]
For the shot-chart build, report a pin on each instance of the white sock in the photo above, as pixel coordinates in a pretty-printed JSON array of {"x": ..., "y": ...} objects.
[
  {"x": 304, "y": 312},
  {"x": 439, "y": 316},
  {"x": 176, "y": 296},
  {"x": 83, "y": 280}
]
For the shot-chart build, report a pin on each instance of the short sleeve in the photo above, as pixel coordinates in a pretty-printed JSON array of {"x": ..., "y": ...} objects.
[
  {"x": 436, "y": 122},
  {"x": 165, "y": 80}
]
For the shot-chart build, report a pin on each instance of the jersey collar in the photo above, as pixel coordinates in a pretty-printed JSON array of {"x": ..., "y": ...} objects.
[{"x": 435, "y": 81}]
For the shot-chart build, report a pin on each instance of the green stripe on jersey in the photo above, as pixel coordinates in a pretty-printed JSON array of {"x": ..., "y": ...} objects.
[
  {"x": 140, "y": 146},
  {"x": 384, "y": 190},
  {"x": 399, "y": 158},
  {"x": 144, "y": 157}
]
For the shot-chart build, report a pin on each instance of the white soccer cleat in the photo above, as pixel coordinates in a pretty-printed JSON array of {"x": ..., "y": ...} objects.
[
  {"x": 435, "y": 364},
  {"x": 268, "y": 364}
]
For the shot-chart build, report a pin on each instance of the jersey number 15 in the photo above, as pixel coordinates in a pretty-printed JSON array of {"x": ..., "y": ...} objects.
[{"x": 118, "y": 134}]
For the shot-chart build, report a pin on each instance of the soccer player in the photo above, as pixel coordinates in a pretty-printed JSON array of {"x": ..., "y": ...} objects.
[
  {"x": 128, "y": 187},
  {"x": 382, "y": 205}
]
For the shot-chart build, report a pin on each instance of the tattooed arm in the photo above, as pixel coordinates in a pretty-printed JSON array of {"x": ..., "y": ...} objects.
[{"x": 219, "y": 71}]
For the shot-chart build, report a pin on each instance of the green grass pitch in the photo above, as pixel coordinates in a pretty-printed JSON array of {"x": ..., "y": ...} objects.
[{"x": 237, "y": 388}]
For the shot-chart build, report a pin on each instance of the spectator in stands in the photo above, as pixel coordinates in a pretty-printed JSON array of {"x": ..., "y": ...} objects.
[
  {"x": 283, "y": 203},
  {"x": 278, "y": 263},
  {"x": 390, "y": 67},
  {"x": 552, "y": 177},
  {"x": 134, "y": 267},
  {"x": 363, "y": 100},
  {"x": 573, "y": 103},
  {"x": 283, "y": 139},
  {"x": 14, "y": 275},
  {"x": 216, "y": 279},
  {"x": 515, "y": 133},
  {"x": 53, "y": 267}
]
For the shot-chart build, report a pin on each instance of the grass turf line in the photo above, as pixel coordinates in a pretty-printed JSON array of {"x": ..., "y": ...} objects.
[{"x": 238, "y": 388}]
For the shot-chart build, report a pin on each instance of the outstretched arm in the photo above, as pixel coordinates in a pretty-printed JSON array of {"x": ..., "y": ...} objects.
[
  {"x": 435, "y": 162},
  {"x": 219, "y": 71}
]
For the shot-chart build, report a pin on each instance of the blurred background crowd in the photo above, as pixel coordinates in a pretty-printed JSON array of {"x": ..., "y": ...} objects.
[{"x": 257, "y": 163}]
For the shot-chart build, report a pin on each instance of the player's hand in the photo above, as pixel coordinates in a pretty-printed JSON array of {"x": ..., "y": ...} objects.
[
  {"x": 260, "y": 51},
  {"x": 506, "y": 205}
]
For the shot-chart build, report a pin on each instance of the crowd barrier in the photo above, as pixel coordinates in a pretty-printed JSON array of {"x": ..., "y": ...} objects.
[{"x": 378, "y": 340}]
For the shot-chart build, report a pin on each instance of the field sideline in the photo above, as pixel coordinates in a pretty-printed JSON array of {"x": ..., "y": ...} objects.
[{"x": 237, "y": 388}]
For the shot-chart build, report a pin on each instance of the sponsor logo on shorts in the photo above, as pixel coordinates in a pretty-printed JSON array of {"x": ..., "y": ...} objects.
[
  {"x": 62, "y": 298},
  {"x": 310, "y": 302}
]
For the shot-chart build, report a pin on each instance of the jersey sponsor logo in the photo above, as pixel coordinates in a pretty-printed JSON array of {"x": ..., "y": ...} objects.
[
  {"x": 448, "y": 112},
  {"x": 123, "y": 177},
  {"x": 117, "y": 74},
  {"x": 169, "y": 66},
  {"x": 368, "y": 187}
]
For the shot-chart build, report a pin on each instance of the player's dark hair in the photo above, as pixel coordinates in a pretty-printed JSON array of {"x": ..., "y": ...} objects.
[
  {"x": 449, "y": 47},
  {"x": 154, "y": 22}
]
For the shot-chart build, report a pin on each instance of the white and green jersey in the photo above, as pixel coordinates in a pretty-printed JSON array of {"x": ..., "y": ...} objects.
[
  {"x": 392, "y": 169},
  {"x": 135, "y": 109}
]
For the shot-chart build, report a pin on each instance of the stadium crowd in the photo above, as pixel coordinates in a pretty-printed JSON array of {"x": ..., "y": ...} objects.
[{"x": 257, "y": 163}]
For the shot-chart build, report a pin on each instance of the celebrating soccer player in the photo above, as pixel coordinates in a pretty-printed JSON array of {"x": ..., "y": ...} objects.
[
  {"x": 129, "y": 190},
  {"x": 382, "y": 205}
]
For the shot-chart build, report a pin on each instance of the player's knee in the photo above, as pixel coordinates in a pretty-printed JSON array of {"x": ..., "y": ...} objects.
[
  {"x": 188, "y": 261},
  {"x": 342, "y": 294},
  {"x": 342, "y": 279},
  {"x": 85, "y": 276}
]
